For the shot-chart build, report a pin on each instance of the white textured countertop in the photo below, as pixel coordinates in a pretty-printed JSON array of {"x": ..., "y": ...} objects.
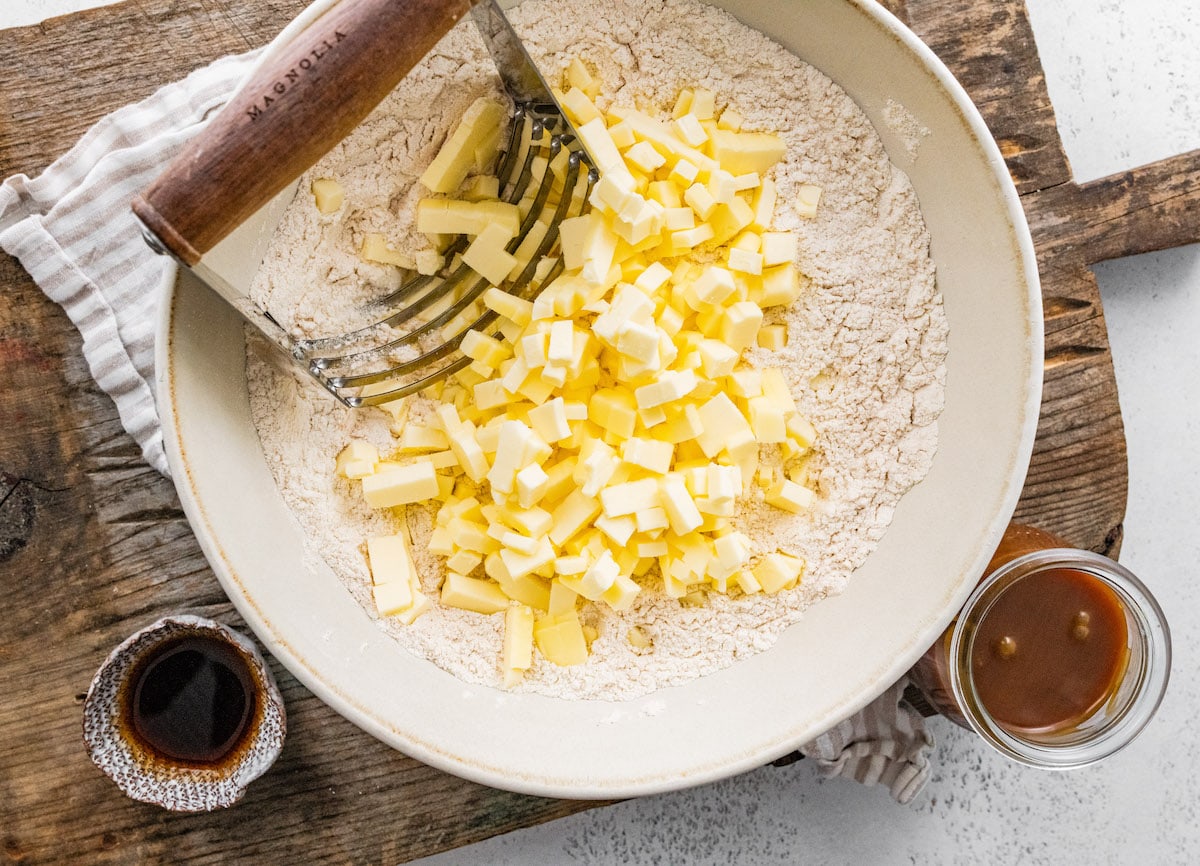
[{"x": 1124, "y": 76}]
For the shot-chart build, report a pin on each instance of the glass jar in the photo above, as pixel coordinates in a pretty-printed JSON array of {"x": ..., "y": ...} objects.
[{"x": 1059, "y": 658}]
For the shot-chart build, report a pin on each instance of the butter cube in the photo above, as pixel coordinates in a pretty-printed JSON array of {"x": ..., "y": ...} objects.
[
  {"x": 622, "y": 593},
  {"x": 722, "y": 186},
  {"x": 517, "y": 653},
  {"x": 651, "y": 519},
  {"x": 671, "y": 385},
  {"x": 790, "y": 496},
  {"x": 578, "y": 107},
  {"x": 560, "y": 639},
  {"x": 515, "y": 449},
  {"x": 534, "y": 522},
  {"x": 732, "y": 552},
  {"x": 527, "y": 589},
  {"x": 532, "y": 483},
  {"x": 444, "y": 216},
  {"x": 470, "y": 456},
  {"x": 550, "y": 420},
  {"x": 740, "y": 324},
  {"x": 716, "y": 358},
  {"x": 683, "y": 103},
  {"x": 595, "y": 469},
  {"x": 666, "y": 193},
  {"x": 773, "y": 337},
  {"x": 490, "y": 395},
  {"x": 778, "y": 248},
  {"x": 745, "y": 262},
  {"x": 777, "y": 571},
  {"x": 702, "y": 105},
  {"x": 749, "y": 180},
  {"x": 680, "y": 508},
  {"x": 722, "y": 483},
  {"x": 801, "y": 431},
  {"x": 579, "y": 76},
  {"x": 653, "y": 278},
  {"x": 595, "y": 137},
  {"x": 742, "y": 152},
  {"x": 638, "y": 343},
  {"x": 723, "y": 425},
  {"x": 401, "y": 485},
  {"x": 643, "y": 156},
  {"x": 486, "y": 349},
  {"x": 688, "y": 129},
  {"x": 480, "y": 123},
  {"x": 680, "y": 219},
  {"x": 764, "y": 204},
  {"x": 378, "y": 249},
  {"x": 683, "y": 173},
  {"x": 767, "y": 420},
  {"x": 415, "y": 438},
  {"x": 470, "y": 593},
  {"x": 747, "y": 582},
  {"x": 682, "y": 424},
  {"x": 651, "y": 454},
  {"x": 328, "y": 194},
  {"x": 392, "y": 599},
  {"x": 780, "y": 286},
  {"x": 599, "y": 576},
  {"x": 652, "y": 548},
  {"x": 482, "y": 187},
  {"x": 700, "y": 200},
  {"x": 612, "y": 192},
  {"x": 710, "y": 289},
  {"x": 487, "y": 255},
  {"x": 572, "y": 515},
  {"x": 807, "y": 199},
  {"x": 682, "y": 241},
  {"x": 464, "y": 561},
  {"x": 630, "y": 497},
  {"x": 390, "y": 560},
  {"x": 357, "y": 459},
  {"x": 588, "y": 245},
  {"x": 514, "y": 309},
  {"x": 568, "y": 565},
  {"x": 615, "y": 410}
]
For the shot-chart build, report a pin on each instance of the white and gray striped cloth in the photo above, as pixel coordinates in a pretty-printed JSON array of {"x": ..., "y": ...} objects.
[{"x": 72, "y": 229}]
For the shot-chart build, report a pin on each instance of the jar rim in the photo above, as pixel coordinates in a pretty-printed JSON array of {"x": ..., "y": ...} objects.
[{"x": 1151, "y": 628}]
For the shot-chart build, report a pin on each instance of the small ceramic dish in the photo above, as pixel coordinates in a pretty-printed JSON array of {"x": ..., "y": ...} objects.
[{"x": 144, "y": 773}]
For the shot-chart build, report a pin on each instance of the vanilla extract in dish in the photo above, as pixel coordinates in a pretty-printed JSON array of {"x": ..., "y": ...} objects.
[{"x": 192, "y": 700}]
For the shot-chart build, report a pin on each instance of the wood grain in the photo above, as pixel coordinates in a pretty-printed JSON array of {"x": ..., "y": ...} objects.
[{"x": 93, "y": 543}]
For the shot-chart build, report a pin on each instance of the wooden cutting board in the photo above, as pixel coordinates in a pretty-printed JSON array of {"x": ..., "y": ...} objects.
[{"x": 93, "y": 544}]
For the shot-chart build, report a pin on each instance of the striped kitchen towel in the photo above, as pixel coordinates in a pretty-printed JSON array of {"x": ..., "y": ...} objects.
[{"x": 72, "y": 229}]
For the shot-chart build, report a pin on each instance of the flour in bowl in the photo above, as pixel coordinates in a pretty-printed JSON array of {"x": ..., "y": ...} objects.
[{"x": 865, "y": 358}]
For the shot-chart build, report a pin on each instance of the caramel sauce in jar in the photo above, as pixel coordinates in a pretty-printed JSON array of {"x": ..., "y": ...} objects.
[
  {"x": 1059, "y": 657},
  {"x": 1049, "y": 651}
]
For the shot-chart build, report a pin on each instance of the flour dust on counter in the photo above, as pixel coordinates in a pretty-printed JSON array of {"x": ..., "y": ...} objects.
[{"x": 864, "y": 358}]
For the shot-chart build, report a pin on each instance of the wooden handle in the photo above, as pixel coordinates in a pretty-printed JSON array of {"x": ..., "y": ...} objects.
[
  {"x": 1153, "y": 207},
  {"x": 288, "y": 116}
]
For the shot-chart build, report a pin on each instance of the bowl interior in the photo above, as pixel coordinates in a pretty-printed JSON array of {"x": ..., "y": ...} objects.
[{"x": 844, "y": 652}]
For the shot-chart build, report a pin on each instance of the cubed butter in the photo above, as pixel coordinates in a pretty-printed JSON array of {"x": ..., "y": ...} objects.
[{"x": 401, "y": 485}]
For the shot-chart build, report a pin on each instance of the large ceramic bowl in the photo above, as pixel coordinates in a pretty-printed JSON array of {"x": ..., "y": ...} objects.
[{"x": 843, "y": 653}]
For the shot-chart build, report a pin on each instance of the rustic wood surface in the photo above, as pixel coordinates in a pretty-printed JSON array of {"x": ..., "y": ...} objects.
[{"x": 93, "y": 543}]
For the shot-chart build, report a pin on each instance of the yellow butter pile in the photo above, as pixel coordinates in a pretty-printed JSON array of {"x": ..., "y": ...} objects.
[{"x": 610, "y": 427}]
